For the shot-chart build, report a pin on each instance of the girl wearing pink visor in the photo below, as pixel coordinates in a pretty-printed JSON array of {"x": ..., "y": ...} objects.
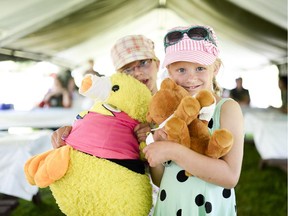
[{"x": 192, "y": 61}]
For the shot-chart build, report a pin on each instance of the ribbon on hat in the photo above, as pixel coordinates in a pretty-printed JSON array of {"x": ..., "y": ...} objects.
[{"x": 211, "y": 48}]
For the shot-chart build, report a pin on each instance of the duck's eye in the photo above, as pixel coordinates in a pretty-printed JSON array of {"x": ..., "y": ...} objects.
[{"x": 115, "y": 88}]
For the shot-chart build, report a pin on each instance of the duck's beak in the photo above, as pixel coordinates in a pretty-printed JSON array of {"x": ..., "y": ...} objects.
[{"x": 94, "y": 87}]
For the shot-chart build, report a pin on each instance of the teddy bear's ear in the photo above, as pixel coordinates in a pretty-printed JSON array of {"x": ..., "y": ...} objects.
[{"x": 167, "y": 84}]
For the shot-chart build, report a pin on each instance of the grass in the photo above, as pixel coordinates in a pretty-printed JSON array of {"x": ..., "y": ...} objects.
[
  {"x": 259, "y": 192},
  {"x": 47, "y": 206}
]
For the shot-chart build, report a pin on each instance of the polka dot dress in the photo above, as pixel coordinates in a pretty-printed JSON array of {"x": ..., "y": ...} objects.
[{"x": 180, "y": 195}]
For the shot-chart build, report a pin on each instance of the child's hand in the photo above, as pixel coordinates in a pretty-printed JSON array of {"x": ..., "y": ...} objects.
[
  {"x": 141, "y": 131},
  {"x": 157, "y": 153},
  {"x": 159, "y": 135},
  {"x": 59, "y": 135}
]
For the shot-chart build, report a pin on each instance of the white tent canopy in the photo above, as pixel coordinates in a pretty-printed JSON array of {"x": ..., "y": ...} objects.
[
  {"x": 68, "y": 32},
  {"x": 252, "y": 34}
]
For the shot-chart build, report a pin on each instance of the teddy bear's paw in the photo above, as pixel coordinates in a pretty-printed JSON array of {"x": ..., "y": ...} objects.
[
  {"x": 205, "y": 98},
  {"x": 177, "y": 131},
  {"x": 188, "y": 109},
  {"x": 220, "y": 143}
]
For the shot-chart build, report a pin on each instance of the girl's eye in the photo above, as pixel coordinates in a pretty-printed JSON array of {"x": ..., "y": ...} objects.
[
  {"x": 200, "y": 69},
  {"x": 181, "y": 70},
  {"x": 128, "y": 70},
  {"x": 143, "y": 63}
]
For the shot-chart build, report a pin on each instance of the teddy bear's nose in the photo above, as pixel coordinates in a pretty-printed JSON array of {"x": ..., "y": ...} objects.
[{"x": 115, "y": 88}]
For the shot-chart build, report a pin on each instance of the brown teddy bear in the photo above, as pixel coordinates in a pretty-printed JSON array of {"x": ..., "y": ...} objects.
[{"x": 185, "y": 119}]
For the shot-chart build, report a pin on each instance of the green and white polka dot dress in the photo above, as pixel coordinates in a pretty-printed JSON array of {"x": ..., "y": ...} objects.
[{"x": 180, "y": 195}]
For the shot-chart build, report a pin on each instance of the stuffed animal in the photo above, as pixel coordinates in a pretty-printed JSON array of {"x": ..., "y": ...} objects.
[
  {"x": 185, "y": 119},
  {"x": 99, "y": 171}
]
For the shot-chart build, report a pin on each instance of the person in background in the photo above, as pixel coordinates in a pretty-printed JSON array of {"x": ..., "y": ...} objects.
[
  {"x": 192, "y": 61},
  {"x": 58, "y": 95},
  {"x": 135, "y": 56},
  {"x": 282, "y": 83},
  {"x": 91, "y": 69},
  {"x": 240, "y": 94}
]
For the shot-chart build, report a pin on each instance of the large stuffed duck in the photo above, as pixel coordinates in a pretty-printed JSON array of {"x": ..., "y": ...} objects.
[{"x": 99, "y": 171}]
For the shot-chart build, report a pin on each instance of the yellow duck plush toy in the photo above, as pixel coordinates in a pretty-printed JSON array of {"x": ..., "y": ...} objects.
[
  {"x": 99, "y": 171},
  {"x": 185, "y": 119}
]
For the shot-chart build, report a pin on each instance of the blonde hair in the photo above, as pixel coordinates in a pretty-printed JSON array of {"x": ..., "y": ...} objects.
[{"x": 216, "y": 87}]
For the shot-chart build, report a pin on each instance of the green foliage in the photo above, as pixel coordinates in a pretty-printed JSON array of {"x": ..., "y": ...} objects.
[
  {"x": 46, "y": 207},
  {"x": 259, "y": 192}
]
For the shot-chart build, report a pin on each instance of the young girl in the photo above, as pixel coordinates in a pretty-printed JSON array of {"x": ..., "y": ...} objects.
[
  {"x": 192, "y": 62},
  {"x": 133, "y": 55}
]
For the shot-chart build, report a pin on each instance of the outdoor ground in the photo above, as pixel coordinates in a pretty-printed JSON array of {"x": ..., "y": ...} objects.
[{"x": 259, "y": 191}]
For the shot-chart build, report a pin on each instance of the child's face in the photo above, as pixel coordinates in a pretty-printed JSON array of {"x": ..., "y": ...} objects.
[
  {"x": 145, "y": 71},
  {"x": 192, "y": 76}
]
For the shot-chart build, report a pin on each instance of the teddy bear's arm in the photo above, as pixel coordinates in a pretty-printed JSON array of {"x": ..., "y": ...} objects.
[{"x": 220, "y": 143}]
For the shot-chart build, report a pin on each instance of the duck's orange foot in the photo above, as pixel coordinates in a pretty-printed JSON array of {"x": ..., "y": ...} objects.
[{"x": 48, "y": 167}]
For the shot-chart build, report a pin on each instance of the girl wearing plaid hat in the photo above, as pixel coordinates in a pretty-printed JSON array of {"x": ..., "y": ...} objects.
[
  {"x": 133, "y": 55},
  {"x": 192, "y": 61}
]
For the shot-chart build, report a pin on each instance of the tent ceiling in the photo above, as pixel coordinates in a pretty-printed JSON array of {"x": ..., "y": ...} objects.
[{"x": 68, "y": 32}]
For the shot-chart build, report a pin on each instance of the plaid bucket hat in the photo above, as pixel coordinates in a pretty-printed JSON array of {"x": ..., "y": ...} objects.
[{"x": 132, "y": 48}]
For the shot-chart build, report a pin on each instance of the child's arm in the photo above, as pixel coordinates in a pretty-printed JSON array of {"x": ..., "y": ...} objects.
[
  {"x": 224, "y": 172},
  {"x": 157, "y": 171},
  {"x": 58, "y": 136},
  {"x": 156, "y": 174}
]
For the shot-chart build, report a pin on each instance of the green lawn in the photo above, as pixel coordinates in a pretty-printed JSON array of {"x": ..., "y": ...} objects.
[
  {"x": 47, "y": 207},
  {"x": 259, "y": 192}
]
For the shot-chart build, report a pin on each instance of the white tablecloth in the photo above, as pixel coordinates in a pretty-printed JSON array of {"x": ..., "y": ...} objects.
[
  {"x": 15, "y": 150},
  {"x": 37, "y": 118},
  {"x": 269, "y": 130}
]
